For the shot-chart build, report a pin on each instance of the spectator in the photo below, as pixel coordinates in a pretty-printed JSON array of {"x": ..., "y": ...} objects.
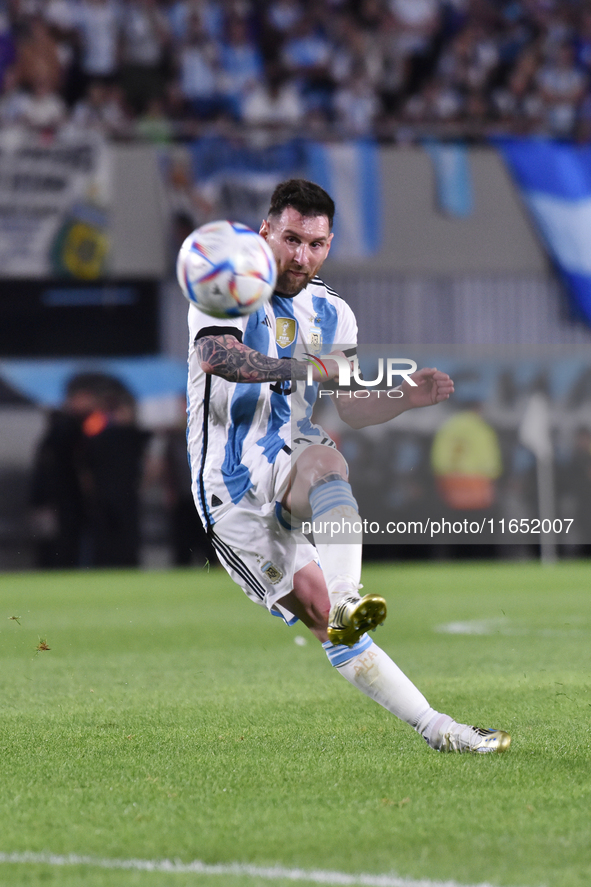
[
  {"x": 470, "y": 59},
  {"x": 418, "y": 23},
  {"x": 284, "y": 15},
  {"x": 436, "y": 103},
  {"x": 355, "y": 48},
  {"x": 356, "y": 105},
  {"x": 59, "y": 515},
  {"x": 395, "y": 66},
  {"x": 153, "y": 125},
  {"x": 60, "y": 15},
  {"x": 98, "y": 26},
  {"x": 37, "y": 57},
  {"x": 199, "y": 71},
  {"x": 209, "y": 12},
  {"x": 42, "y": 109},
  {"x": 241, "y": 66},
  {"x": 7, "y": 46},
  {"x": 561, "y": 87},
  {"x": 12, "y": 101},
  {"x": 101, "y": 110},
  {"x": 583, "y": 41},
  {"x": 306, "y": 55},
  {"x": 145, "y": 44},
  {"x": 370, "y": 16},
  {"x": 518, "y": 105},
  {"x": 274, "y": 102},
  {"x": 114, "y": 453},
  {"x": 466, "y": 461}
]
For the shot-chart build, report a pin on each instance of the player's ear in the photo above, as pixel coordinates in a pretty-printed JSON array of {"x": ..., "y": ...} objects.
[
  {"x": 264, "y": 229},
  {"x": 329, "y": 241}
]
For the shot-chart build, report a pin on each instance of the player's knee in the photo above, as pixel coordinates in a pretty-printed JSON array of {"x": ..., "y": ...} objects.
[{"x": 318, "y": 462}]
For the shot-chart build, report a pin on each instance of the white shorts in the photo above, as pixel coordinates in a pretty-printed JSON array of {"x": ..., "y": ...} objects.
[{"x": 255, "y": 543}]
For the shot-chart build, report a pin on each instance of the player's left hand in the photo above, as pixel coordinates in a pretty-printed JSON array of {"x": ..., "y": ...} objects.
[{"x": 432, "y": 387}]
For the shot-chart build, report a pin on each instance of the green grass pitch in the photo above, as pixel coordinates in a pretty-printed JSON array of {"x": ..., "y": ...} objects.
[{"x": 173, "y": 719}]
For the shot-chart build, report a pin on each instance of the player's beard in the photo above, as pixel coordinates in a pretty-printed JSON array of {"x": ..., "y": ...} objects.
[{"x": 290, "y": 285}]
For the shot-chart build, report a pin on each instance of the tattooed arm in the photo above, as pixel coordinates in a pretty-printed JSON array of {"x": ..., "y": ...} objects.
[{"x": 225, "y": 356}]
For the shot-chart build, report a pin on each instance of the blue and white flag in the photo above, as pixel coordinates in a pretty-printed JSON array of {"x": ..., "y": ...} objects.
[
  {"x": 239, "y": 178},
  {"x": 453, "y": 177},
  {"x": 555, "y": 183},
  {"x": 350, "y": 172}
]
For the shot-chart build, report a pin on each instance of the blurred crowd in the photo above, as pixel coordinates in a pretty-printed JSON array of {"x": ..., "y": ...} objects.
[{"x": 399, "y": 70}]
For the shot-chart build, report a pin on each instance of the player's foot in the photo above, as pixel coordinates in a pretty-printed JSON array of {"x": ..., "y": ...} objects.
[
  {"x": 352, "y": 616},
  {"x": 474, "y": 739}
]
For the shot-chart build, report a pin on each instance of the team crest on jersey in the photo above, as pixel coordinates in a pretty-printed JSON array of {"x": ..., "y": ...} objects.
[
  {"x": 272, "y": 572},
  {"x": 315, "y": 337},
  {"x": 286, "y": 331}
]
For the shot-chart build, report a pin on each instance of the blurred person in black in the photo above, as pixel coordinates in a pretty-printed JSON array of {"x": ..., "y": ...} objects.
[
  {"x": 114, "y": 449},
  {"x": 59, "y": 516},
  {"x": 86, "y": 478}
]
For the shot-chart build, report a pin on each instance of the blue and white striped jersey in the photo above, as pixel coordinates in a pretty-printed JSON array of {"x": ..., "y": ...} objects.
[{"x": 236, "y": 430}]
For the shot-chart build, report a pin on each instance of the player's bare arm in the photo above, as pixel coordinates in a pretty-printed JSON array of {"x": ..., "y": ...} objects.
[
  {"x": 432, "y": 387},
  {"x": 225, "y": 356}
]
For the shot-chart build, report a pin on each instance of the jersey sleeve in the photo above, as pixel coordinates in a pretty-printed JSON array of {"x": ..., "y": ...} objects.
[{"x": 201, "y": 325}]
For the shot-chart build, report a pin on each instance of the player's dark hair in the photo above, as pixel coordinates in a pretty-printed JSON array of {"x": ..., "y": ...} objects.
[{"x": 308, "y": 198}]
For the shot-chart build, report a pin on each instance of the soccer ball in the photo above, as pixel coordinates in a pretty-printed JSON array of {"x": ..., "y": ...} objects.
[{"x": 225, "y": 269}]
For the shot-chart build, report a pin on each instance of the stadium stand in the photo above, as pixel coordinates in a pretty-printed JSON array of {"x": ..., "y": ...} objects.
[{"x": 392, "y": 69}]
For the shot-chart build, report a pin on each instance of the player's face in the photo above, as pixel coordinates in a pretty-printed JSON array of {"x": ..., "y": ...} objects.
[{"x": 300, "y": 245}]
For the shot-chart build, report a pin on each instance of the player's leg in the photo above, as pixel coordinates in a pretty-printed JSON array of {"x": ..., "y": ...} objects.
[
  {"x": 319, "y": 490},
  {"x": 363, "y": 664},
  {"x": 309, "y": 600},
  {"x": 370, "y": 669}
]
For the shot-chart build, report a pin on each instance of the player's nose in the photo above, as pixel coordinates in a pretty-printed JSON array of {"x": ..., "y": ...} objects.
[{"x": 301, "y": 254}]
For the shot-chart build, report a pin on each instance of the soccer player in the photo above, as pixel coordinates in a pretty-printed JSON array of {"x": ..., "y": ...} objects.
[{"x": 254, "y": 482}]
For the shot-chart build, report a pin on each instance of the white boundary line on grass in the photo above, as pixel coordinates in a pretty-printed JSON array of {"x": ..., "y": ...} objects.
[{"x": 340, "y": 879}]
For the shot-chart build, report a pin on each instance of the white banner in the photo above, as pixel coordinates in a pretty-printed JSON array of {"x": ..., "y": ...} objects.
[{"x": 54, "y": 200}]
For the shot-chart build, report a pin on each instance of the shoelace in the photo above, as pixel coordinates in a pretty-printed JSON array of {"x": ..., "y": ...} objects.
[
  {"x": 468, "y": 738},
  {"x": 340, "y": 610}
]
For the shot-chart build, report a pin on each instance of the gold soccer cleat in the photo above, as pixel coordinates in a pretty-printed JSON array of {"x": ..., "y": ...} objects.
[
  {"x": 352, "y": 616},
  {"x": 475, "y": 739}
]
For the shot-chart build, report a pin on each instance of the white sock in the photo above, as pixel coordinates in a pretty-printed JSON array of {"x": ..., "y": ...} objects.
[
  {"x": 340, "y": 560},
  {"x": 338, "y": 537},
  {"x": 370, "y": 669}
]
